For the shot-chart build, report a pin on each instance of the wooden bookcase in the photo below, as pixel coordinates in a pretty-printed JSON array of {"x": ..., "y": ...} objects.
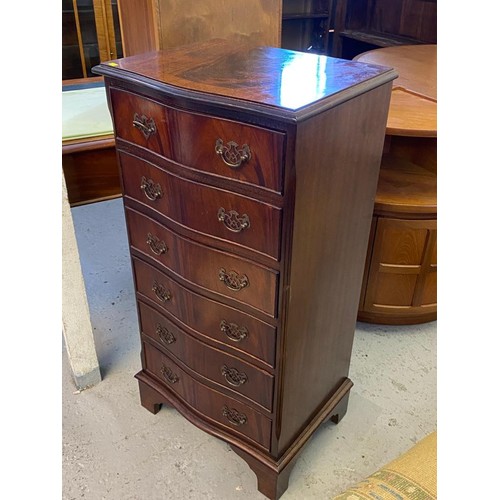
[
  {"x": 90, "y": 34},
  {"x": 362, "y": 25},
  {"x": 305, "y": 25}
]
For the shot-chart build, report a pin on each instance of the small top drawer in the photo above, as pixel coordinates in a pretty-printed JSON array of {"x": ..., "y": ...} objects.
[
  {"x": 244, "y": 153},
  {"x": 141, "y": 121}
]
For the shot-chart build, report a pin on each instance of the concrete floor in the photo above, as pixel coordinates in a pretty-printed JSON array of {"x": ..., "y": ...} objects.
[{"x": 114, "y": 449}]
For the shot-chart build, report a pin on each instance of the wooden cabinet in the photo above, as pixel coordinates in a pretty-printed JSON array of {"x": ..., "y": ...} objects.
[
  {"x": 305, "y": 25},
  {"x": 362, "y": 25},
  {"x": 161, "y": 24},
  {"x": 90, "y": 34},
  {"x": 248, "y": 222},
  {"x": 301, "y": 25},
  {"x": 400, "y": 282}
]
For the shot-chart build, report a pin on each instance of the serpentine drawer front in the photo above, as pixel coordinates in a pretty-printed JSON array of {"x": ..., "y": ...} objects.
[
  {"x": 225, "y": 274},
  {"x": 206, "y": 209},
  {"x": 226, "y": 411},
  {"x": 248, "y": 175},
  {"x": 226, "y": 148}
]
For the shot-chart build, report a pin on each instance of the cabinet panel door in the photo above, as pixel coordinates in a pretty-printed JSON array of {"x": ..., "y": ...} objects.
[{"x": 402, "y": 275}]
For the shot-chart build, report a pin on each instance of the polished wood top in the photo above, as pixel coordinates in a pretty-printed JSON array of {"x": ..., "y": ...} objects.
[
  {"x": 269, "y": 76},
  {"x": 413, "y": 108}
]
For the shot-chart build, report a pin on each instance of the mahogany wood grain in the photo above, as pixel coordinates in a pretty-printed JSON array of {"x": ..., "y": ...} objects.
[
  {"x": 91, "y": 171},
  {"x": 332, "y": 218},
  {"x": 214, "y": 365},
  {"x": 201, "y": 265},
  {"x": 204, "y": 316},
  {"x": 323, "y": 124},
  {"x": 284, "y": 79},
  {"x": 205, "y": 400},
  {"x": 190, "y": 139},
  {"x": 197, "y": 206}
]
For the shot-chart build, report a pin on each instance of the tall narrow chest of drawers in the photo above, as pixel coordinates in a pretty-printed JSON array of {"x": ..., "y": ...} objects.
[{"x": 249, "y": 177}]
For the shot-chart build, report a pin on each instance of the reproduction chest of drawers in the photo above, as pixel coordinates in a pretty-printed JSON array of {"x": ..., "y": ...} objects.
[{"x": 249, "y": 177}]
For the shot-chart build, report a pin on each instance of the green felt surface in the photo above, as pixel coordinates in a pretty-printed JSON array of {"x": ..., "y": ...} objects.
[{"x": 85, "y": 114}]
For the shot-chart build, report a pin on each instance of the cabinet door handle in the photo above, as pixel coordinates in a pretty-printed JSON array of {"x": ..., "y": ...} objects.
[
  {"x": 151, "y": 190},
  {"x": 233, "y": 331},
  {"x": 232, "y": 155},
  {"x": 233, "y": 280},
  {"x": 169, "y": 375},
  {"x": 233, "y": 221},
  {"x": 165, "y": 335},
  {"x": 233, "y": 376},
  {"x": 157, "y": 247},
  {"x": 234, "y": 416},
  {"x": 146, "y": 125},
  {"x": 161, "y": 292}
]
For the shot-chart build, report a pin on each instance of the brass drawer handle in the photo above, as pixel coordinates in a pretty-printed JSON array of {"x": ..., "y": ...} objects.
[
  {"x": 234, "y": 416},
  {"x": 169, "y": 375},
  {"x": 233, "y": 331},
  {"x": 146, "y": 125},
  {"x": 232, "y": 155},
  {"x": 157, "y": 247},
  {"x": 161, "y": 292},
  {"x": 233, "y": 221},
  {"x": 233, "y": 280},
  {"x": 152, "y": 190},
  {"x": 166, "y": 336},
  {"x": 233, "y": 376}
]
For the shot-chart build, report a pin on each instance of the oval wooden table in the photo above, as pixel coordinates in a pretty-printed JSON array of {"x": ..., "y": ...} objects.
[{"x": 400, "y": 279}]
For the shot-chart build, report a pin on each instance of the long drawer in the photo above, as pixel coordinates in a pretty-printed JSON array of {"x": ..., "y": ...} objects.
[
  {"x": 206, "y": 317},
  {"x": 234, "y": 416},
  {"x": 221, "y": 368},
  {"x": 219, "y": 272},
  {"x": 208, "y": 210},
  {"x": 226, "y": 148}
]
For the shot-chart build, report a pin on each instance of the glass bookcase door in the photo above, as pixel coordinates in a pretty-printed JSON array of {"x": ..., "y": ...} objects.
[{"x": 90, "y": 35}]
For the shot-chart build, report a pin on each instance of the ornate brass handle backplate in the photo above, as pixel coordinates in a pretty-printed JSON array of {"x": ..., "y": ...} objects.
[
  {"x": 157, "y": 247},
  {"x": 233, "y": 280},
  {"x": 166, "y": 336},
  {"x": 233, "y": 331},
  {"x": 169, "y": 375},
  {"x": 161, "y": 292},
  {"x": 233, "y": 220},
  {"x": 151, "y": 190},
  {"x": 233, "y": 376},
  {"x": 234, "y": 417},
  {"x": 146, "y": 125},
  {"x": 232, "y": 155}
]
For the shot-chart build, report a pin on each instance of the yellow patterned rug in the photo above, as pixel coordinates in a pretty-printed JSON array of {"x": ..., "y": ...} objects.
[{"x": 412, "y": 476}]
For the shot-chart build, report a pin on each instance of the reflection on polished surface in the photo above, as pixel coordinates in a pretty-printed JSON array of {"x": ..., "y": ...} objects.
[
  {"x": 265, "y": 75},
  {"x": 303, "y": 80}
]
